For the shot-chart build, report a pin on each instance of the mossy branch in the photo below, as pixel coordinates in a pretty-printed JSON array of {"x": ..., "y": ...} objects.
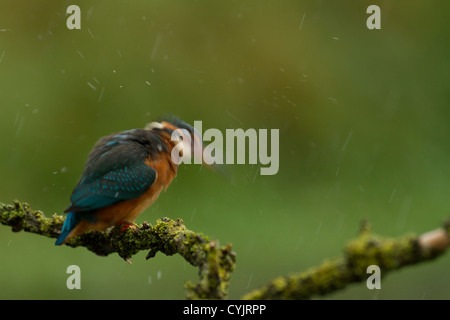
[
  {"x": 168, "y": 236},
  {"x": 216, "y": 263},
  {"x": 367, "y": 249}
]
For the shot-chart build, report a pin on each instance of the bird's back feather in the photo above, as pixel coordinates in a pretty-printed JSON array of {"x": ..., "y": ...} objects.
[{"x": 116, "y": 171}]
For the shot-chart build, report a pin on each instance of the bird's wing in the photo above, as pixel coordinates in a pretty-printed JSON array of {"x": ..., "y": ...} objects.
[{"x": 115, "y": 171}]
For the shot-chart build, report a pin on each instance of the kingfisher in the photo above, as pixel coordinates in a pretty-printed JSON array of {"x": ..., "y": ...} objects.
[{"x": 124, "y": 174}]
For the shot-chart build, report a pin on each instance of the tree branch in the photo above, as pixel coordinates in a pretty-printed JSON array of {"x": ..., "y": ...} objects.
[
  {"x": 368, "y": 249},
  {"x": 216, "y": 263},
  {"x": 168, "y": 236}
]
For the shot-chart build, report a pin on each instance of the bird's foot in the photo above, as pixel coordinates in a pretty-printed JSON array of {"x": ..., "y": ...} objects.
[{"x": 125, "y": 225}]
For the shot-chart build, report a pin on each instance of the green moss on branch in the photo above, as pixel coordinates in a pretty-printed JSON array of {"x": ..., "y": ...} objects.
[
  {"x": 215, "y": 263},
  {"x": 367, "y": 249}
]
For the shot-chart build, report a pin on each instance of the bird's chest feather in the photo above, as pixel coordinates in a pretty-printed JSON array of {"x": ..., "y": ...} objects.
[{"x": 166, "y": 171}]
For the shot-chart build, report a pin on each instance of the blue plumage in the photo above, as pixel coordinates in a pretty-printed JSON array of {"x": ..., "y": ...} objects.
[
  {"x": 115, "y": 171},
  {"x": 71, "y": 221},
  {"x": 128, "y": 182}
]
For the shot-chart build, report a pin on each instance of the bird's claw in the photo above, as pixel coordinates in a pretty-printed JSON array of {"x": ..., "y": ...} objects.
[{"x": 125, "y": 225}]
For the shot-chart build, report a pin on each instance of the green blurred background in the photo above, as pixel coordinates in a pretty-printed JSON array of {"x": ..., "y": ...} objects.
[{"x": 363, "y": 118}]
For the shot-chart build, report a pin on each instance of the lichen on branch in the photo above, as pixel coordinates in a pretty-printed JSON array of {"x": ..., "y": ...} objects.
[
  {"x": 215, "y": 263},
  {"x": 367, "y": 249}
]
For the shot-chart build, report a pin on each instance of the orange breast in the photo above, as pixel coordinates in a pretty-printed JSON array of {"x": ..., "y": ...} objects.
[{"x": 128, "y": 210}]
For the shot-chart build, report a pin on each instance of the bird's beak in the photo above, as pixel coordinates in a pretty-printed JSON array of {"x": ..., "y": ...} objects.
[
  {"x": 193, "y": 142},
  {"x": 205, "y": 158}
]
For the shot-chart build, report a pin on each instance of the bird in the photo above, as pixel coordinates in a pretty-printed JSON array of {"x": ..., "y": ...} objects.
[{"x": 124, "y": 175}]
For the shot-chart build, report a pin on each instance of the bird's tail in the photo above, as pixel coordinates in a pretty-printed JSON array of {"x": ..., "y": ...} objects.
[{"x": 71, "y": 221}]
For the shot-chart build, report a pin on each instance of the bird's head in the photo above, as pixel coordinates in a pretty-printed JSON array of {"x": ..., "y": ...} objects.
[
  {"x": 186, "y": 139},
  {"x": 178, "y": 133}
]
